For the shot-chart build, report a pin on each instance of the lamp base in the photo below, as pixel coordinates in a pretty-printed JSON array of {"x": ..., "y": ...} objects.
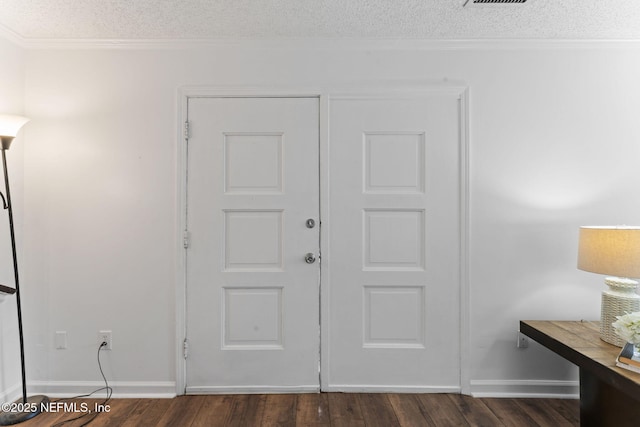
[
  {"x": 20, "y": 412},
  {"x": 621, "y": 298}
]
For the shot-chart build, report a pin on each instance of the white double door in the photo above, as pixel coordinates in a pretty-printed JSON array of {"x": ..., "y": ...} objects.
[{"x": 388, "y": 278}]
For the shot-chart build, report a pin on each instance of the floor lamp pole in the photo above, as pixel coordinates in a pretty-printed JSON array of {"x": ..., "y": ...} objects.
[
  {"x": 34, "y": 405},
  {"x": 15, "y": 273}
]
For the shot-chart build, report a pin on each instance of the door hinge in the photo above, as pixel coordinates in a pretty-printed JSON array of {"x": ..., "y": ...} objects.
[
  {"x": 187, "y": 130},
  {"x": 185, "y": 239},
  {"x": 185, "y": 348}
]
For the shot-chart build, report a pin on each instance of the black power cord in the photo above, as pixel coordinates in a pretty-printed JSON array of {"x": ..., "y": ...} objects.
[{"x": 90, "y": 415}]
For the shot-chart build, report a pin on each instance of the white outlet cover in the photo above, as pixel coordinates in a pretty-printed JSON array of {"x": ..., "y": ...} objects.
[{"x": 61, "y": 340}]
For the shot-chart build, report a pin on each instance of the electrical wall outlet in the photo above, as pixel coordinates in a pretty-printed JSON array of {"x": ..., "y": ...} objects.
[
  {"x": 105, "y": 336},
  {"x": 523, "y": 340},
  {"x": 61, "y": 340}
]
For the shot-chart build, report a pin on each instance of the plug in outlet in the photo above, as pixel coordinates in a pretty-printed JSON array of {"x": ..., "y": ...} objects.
[
  {"x": 523, "y": 341},
  {"x": 61, "y": 340},
  {"x": 105, "y": 336}
]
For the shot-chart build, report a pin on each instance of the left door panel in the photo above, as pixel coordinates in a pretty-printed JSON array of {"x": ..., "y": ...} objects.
[{"x": 252, "y": 294}]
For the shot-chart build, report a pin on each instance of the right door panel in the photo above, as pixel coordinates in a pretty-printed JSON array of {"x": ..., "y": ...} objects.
[{"x": 394, "y": 236}]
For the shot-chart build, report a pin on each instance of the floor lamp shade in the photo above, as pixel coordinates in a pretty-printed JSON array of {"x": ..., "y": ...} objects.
[
  {"x": 615, "y": 252},
  {"x": 10, "y": 124},
  {"x": 9, "y": 127}
]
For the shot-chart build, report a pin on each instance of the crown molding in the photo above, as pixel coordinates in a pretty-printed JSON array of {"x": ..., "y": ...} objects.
[
  {"x": 12, "y": 36},
  {"x": 318, "y": 43}
]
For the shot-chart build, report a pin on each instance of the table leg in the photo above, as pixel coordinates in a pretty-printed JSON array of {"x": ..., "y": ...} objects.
[{"x": 602, "y": 405}]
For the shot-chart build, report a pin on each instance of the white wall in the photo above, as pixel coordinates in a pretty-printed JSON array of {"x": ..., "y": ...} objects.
[
  {"x": 554, "y": 144},
  {"x": 11, "y": 102}
]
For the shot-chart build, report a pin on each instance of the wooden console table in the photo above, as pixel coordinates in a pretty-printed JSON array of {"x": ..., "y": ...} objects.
[{"x": 609, "y": 395}]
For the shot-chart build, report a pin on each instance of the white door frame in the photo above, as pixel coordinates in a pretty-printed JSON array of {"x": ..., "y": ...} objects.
[{"x": 184, "y": 93}]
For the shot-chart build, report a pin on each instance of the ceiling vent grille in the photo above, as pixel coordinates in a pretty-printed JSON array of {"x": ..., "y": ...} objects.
[{"x": 482, "y": 2}]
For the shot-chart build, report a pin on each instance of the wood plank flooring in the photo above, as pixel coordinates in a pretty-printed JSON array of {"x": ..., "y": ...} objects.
[{"x": 323, "y": 410}]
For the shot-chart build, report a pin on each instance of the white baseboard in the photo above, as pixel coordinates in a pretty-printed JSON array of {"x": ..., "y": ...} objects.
[
  {"x": 121, "y": 389},
  {"x": 526, "y": 389},
  {"x": 11, "y": 394},
  {"x": 252, "y": 389},
  {"x": 167, "y": 389},
  {"x": 315, "y": 389},
  {"x": 363, "y": 388}
]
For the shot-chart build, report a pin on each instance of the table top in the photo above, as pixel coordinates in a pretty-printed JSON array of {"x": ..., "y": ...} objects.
[{"x": 579, "y": 342}]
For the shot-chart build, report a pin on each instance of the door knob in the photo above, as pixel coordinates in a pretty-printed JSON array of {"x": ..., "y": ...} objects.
[
  {"x": 309, "y": 258},
  {"x": 311, "y": 223}
]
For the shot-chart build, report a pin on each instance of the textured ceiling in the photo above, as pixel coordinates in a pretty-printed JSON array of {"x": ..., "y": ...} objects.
[{"x": 294, "y": 19}]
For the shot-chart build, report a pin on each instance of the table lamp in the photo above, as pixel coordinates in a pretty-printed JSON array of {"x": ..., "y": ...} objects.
[{"x": 615, "y": 252}]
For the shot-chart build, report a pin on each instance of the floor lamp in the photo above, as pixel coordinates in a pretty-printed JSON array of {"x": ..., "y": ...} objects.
[{"x": 26, "y": 407}]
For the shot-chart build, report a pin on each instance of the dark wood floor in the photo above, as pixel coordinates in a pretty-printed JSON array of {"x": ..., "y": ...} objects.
[{"x": 326, "y": 409}]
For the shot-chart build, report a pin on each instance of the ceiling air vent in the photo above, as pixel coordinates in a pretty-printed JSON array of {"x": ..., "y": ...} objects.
[{"x": 482, "y": 2}]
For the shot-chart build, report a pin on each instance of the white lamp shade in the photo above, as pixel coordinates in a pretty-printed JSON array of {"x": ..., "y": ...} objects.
[
  {"x": 614, "y": 251},
  {"x": 10, "y": 124}
]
